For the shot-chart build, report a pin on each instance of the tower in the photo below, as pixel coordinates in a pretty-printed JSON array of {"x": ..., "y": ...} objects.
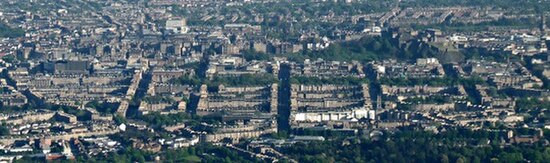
[
  {"x": 378, "y": 102},
  {"x": 274, "y": 101},
  {"x": 542, "y": 23},
  {"x": 99, "y": 50},
  {"x": 203, "y": 98}
]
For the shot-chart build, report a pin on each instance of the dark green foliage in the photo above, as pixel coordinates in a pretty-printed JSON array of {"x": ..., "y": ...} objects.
[
  {"x": 193, "y": 65},
  {"x": 241, "y": 80},
  {"x": 507, "y": 4},
  {"x": 455, "y": 145},
  {"x": 201, "y": 153},
  {"x": 81, "y": 115},
  {"x": 461, "y": 27},
  {"x": 182, "y": 155},
  {"x": 156, "y": 119},
  {"x": 4, "y": 131},
  {"x": 323, "y": 132},
  {"x": 9, "y": 58},
  {"x": 103, "y": 107},
  {"x": 528, "y": 104},
  {"x": 158, "y": 99},
  {"x": 320, "y": 81},
  {"x": 119, "y": 119},
  {"x": 537, "y": 69},
  {"x": 282, "y": 29},
  {"x": 185, "y": 80},
  {"x": 250, "y": 55},
  {"x": 244, "y": 80},
  {"x": 479, "y": 53},
  {"x": 126, "y": 155},
  {"x": 444, "y": 81},
  {"x": 6, "y": 31},
  {"x": 369, "y": 49},
  {"x": 365, "y": 49},
  {"x": 13, "y": 109},
  {"x": 4, "y": 90},
  {"x": 211, "y": 153}
]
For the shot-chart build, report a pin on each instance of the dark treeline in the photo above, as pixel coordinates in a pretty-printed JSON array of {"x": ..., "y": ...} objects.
[
  {"x": 506, "y": 4},
  {"x": 453, "y": 145},
  {"x": 241, "y": 80},
  {"x": 320, "y": 81},
  {"x": 201, "y": 153}
]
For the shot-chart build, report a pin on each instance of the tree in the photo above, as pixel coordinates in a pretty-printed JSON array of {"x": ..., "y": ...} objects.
[
  {"x": 4, "y": 131},
  {"x": 460, "y": 160},
  {"x": 119, "y": 119},
  {"x": 444, "y": 159},
  {"x": 511, "y": 157},
  {"x": 9, "y": 58},
  {"x": 6, "y": 31}
]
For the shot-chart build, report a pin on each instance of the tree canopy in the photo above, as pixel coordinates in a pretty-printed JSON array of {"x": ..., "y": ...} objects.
[
  {"x": 453, "y": 145},
  {"x": 7, "y": 31}
]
